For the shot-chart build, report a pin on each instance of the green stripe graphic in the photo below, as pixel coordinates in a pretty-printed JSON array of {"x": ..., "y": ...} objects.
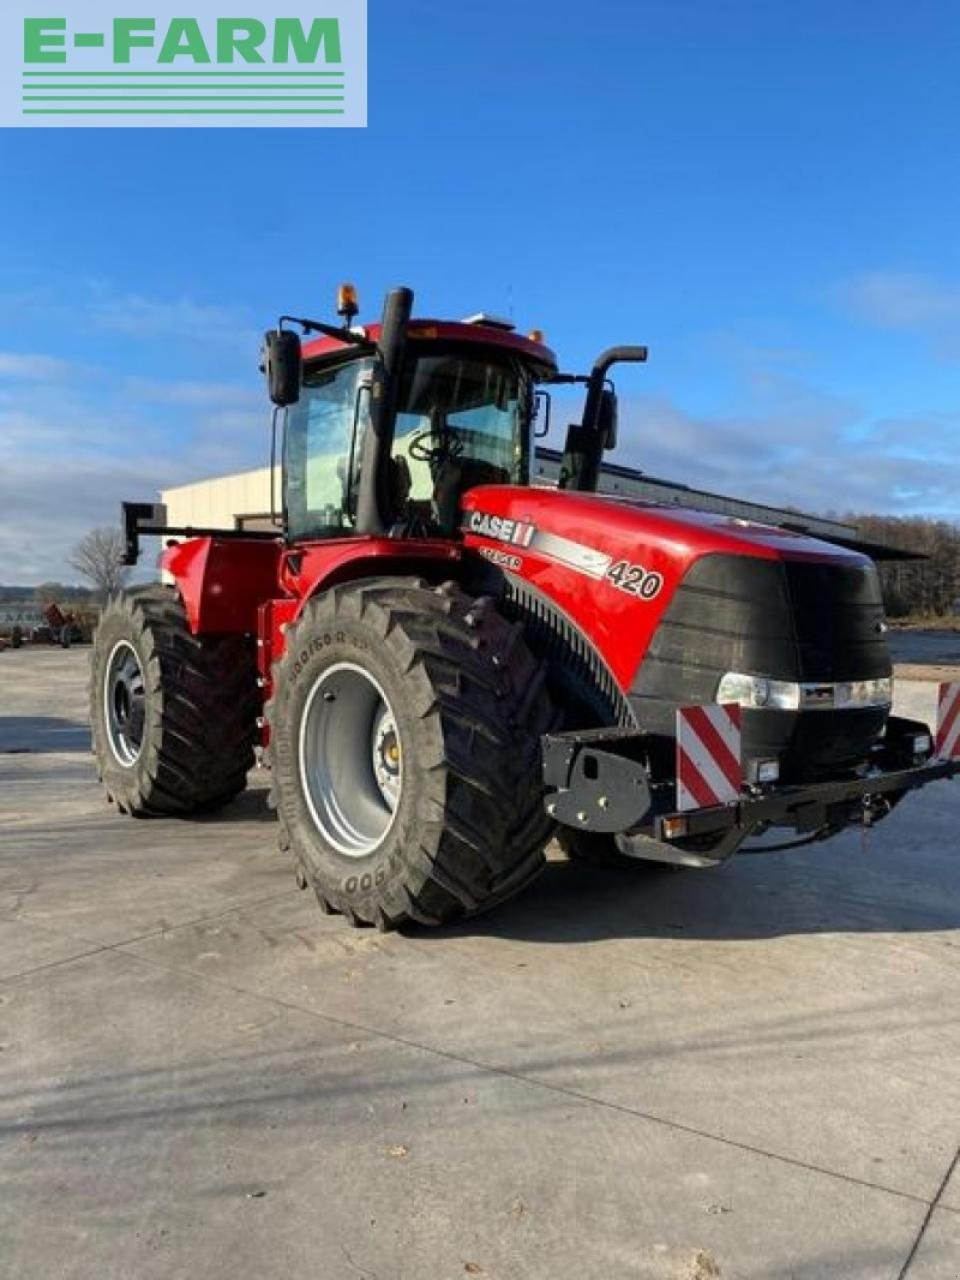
[
  {"x": 189, "y": 97},
  {"x": 181, "y": 111},
  {"x": 201, "y": 90},
  {"x": 225, "y": 74},
  {"x": 168, "y": 89}
]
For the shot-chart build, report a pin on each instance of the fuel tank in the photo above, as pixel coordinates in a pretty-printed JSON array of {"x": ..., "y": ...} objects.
[{"x": 654, "y": 605}]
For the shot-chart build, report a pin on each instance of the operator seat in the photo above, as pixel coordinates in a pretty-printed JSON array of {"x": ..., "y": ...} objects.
[{"x": 455, "y": 476}]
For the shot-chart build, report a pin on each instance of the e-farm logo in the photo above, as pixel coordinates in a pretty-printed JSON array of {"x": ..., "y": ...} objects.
[{"x": 93, "y": 63}]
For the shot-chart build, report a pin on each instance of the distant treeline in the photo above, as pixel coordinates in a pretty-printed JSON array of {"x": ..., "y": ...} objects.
[
  {"x": 928, "y": 587},
  {"x": 47, "y": 593}
]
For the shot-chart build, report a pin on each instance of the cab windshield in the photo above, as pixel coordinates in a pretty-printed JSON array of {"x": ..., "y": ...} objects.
[{"x": 463, "y": 420}]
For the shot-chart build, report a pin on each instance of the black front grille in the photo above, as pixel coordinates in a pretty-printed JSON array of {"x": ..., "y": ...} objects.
[
  {"x": 788, "y": 620},
  {"x": 838, "y": 618},
  {"x": 730, "y": 613}
]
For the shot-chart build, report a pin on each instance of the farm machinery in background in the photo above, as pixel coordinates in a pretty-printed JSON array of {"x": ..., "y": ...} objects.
[
  {"x": 45, "y": 624},
  {"x": 444, "y": 665}
]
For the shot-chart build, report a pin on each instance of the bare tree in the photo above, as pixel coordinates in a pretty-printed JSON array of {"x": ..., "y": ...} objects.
[{"x": 97, "y": 556}]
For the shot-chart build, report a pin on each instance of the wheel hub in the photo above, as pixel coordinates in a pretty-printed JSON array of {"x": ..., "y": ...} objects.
[
  {"x": 351, "y": 759},
  {"x": 386, "y": 757},
  {"x": 124, "y": 703}
]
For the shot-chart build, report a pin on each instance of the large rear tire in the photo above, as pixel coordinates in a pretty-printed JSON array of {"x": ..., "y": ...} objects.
[
  {"x": 405, "y": 733},
  {"x": 173, "y": 715}
]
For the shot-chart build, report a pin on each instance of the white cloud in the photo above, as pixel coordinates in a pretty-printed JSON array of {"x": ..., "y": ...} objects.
[
  {"x": 75, "y": 440},
  {"x": 902, "y": 299},
  {"x": 179, "y": 318},
  {"x": 46, "y": 510},
  {"x": 804, "y": 450},
  {"x": 35, "y": 368},
  {"x": 95, "y": 306},
  {"x": 71, "y": 451},
  {"x": 907, "y": 302},
  {"x": 194, "y": 394}
]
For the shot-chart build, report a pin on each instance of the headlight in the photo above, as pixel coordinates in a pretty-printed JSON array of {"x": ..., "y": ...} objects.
[
  {"x": 785, "y": 695},
  {"x": 864, "y": 693},
  {"x": 758, "y": 691}
]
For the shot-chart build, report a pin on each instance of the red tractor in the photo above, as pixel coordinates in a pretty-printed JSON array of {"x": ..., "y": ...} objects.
[{"x": 445, "y": 665}]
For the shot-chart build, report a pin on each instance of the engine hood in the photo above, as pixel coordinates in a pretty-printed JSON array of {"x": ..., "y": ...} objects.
[
  {"x": 617, "y": 523},
  {"x": 611, "y": 566}
]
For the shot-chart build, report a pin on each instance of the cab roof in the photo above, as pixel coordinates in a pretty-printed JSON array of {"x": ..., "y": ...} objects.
[{"x": 447, "y": 331}]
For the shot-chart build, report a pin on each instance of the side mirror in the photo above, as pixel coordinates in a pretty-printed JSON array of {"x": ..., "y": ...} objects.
[
  {"x": 542, "y": 410},
  {"x": 608, "y": 419},
  {"x": 282, "y": 362}
]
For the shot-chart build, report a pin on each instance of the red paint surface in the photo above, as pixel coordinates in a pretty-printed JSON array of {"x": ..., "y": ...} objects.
[
  {"x": 445, "y": 331},
  {"x": 315, "y": 566},
  {"x": 664, "y": 540},
  {"x": 223, "y": 582},
  {"x": 226, "y": 583}
]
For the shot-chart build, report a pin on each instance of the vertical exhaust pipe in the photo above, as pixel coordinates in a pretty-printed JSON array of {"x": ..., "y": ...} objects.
[
  {"x": 583, "y": 452},
  {"x": 374, "y": 504}
]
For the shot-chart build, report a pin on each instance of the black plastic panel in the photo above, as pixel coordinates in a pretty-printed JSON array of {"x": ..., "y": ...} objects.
[
  {"x": 581, "y": 682},
  {"x": 793, "y": 621},
  {"x": 838, "y": 615}
]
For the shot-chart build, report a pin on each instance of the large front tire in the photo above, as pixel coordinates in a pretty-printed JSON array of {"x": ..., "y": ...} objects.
[
  {"x": 173, "y": 715},
  {"x": 405, "y": 733}
]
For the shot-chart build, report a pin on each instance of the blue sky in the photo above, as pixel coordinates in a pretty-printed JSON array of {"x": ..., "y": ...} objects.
[{"x": 766, "y": 193}]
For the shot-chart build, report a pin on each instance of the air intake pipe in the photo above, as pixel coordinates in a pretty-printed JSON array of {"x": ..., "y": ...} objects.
[
  {"x": 374, "y": 502},
  {"x": 586, "y": 440}
]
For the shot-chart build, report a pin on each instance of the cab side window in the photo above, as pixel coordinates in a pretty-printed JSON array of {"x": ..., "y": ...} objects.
[{"x": 324, "y": 445}]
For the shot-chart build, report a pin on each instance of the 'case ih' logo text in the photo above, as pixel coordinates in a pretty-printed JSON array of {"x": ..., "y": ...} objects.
[{"x": 517, "y": 532}]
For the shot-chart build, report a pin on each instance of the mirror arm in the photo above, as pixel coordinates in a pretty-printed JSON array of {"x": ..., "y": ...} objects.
[{"x": 346, "y": 336}]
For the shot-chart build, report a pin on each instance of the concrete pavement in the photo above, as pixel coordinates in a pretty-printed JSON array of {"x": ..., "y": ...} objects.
[{"x": 744, "y": 1073}]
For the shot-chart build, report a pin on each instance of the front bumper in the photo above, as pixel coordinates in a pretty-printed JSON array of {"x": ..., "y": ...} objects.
[{"x": 621, "y": 782}]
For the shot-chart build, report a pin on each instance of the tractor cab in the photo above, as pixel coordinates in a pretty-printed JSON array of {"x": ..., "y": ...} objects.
[{"x": 403, "y": 445}]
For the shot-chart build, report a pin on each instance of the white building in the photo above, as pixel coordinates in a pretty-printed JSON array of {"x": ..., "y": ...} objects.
[{"x": 240, "y": 501}]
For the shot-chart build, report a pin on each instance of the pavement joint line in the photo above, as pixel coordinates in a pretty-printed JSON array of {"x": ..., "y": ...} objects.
[
  {"x": 52, "y": 964},
  {"x": 538, "y": 1083},
  {"x": 99, "y": 948},
  {"x": 934, "y": 1205}
]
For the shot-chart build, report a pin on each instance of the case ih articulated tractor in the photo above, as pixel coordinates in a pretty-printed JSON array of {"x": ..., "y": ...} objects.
[{"x": 444, "y": 666}]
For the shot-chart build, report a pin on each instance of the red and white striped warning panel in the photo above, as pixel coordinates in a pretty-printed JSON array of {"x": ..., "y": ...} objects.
[
  {"x": 948, "y": 722},
  {"x": 709, "y": 766}
]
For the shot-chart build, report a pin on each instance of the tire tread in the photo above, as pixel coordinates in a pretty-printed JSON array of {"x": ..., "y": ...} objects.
[
  {"x": 477, "y": 680},
  {"x": 205, "y": 706}
]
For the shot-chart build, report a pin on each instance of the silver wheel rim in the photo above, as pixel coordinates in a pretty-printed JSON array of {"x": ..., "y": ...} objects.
[
  {"x": 124, "y": 703},
  {"x": 351, "y": 760}
]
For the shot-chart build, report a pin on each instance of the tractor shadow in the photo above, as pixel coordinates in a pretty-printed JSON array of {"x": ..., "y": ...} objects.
[
  {"x": 835, "y": 889},
  {"x": 42, "y": 735},
  {"x": 250, "y": 806}
]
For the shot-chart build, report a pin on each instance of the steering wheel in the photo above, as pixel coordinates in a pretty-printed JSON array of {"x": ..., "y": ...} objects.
[{"x": 422, "y": 449}]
